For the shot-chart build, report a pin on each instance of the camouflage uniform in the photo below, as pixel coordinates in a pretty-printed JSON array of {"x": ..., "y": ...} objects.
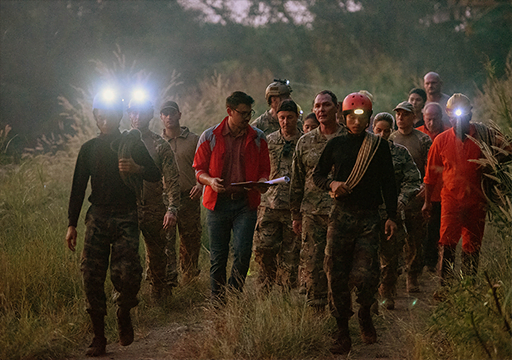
[
  {"x": 311, "y": 205},
  {"x": 157, "y": 199},
  {"x": 189, "y": 213},
  {"x": 353, "y": 237},
  {"x": 276, "y": 246},
  {"x": 408, "y": 183},
  {"x": 268, "y": 124},
  {"x": 104, "y": 225},
  {"x": 414, "y": 222}
]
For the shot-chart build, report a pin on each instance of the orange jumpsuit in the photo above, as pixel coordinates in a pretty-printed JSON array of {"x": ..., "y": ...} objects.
[{"x": 463, "y": 205}]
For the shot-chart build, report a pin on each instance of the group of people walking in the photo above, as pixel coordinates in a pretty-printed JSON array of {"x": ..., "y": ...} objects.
[{"x": 361, "y": 189}]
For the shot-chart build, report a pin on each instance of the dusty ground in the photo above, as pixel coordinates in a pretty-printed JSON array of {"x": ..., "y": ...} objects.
[{"x": 394, "y": 328}]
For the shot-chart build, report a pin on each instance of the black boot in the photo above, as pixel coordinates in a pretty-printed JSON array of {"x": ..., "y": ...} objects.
[
  {"x": 368, "y": 332},
  {"x": 470, "y": 263},
  {"x": 124, "y": 325},
  {"x": 343, "y": 343},
  {"x": 99, "y": 343}
]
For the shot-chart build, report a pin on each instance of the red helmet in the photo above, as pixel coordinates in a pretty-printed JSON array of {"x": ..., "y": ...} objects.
[{"x": 357, "y": 103}]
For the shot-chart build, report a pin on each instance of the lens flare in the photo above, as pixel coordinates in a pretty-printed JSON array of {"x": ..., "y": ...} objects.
[
  {"x": 139, "y": 95},
  {"x": 359, "y": 111},
  {"x": 458, "y": 112},
  {"x": 109, "y": 95}
]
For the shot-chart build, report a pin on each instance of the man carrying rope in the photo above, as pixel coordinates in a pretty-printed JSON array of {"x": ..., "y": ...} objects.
[{"x": 363, "y": 174}]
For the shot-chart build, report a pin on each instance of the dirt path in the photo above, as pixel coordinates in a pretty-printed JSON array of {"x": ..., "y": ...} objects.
[{"x": 395, "y": 330}]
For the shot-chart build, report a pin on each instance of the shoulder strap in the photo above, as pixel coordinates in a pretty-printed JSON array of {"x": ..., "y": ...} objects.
[{"x": 364, "y": 158}]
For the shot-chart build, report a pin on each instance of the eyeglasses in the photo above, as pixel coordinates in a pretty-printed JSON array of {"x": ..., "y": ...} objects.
[{"x": 246, "y": 114}]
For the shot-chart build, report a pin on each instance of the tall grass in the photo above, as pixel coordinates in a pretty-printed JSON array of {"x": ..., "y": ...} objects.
[
  {"x": 250, "y": 326},
  {"x": 474, "y": 322}
]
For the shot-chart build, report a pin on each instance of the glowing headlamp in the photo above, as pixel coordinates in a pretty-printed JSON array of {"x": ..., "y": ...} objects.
[
  {"x": 108, "y": 95},
  {"x": 359, "y": 111},
  {"x": 139, "y": 95},
  {"x": 458, "y": 112}
]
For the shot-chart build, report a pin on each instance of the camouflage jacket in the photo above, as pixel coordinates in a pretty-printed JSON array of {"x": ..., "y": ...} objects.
[
  {"x": 305, "y": 196},
  {"x": 167, "y": 191},
  {"x": 266, "y": 123},
  {"x": 407, "y": 175},
  {"x": 281, "y": 157}
]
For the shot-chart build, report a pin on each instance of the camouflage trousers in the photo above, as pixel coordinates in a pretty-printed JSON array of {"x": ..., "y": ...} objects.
[
  {"x": 351, "y": 257},
  {"x": 314, "y": 235},
  {"x": 189, "y": 228},
  {"x": 408, "y": 241},
  {"x": 111, "y": 234},
  {"x": 276, "y": 248},
  {"x": 151, "y": 218}
]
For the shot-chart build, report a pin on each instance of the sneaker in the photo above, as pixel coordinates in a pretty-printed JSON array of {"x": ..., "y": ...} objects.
[{"x": 97, "y": 347}]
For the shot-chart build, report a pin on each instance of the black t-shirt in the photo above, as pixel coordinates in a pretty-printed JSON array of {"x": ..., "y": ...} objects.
[
  {"x": 377, "y": 183},
  {"x": 97, "y": 161}
]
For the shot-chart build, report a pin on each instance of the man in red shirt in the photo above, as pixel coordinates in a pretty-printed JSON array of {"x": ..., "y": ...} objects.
[
  {"x": 463, "y": 205},
  {"x": 227, "y": 153}
]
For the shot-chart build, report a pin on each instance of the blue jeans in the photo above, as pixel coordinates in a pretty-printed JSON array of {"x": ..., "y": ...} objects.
[{"x": 237, "y": 216}]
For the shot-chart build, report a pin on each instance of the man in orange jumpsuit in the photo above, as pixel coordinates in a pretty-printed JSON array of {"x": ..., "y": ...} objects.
[{"x": 463, "y": 205}]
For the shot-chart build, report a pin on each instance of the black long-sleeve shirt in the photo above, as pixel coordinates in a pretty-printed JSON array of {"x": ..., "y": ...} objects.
[
  {"x": 377, "y": 182},
  {"x": 96, "y": 160}
]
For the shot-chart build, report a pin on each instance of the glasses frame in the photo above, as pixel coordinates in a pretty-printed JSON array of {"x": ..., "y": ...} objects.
[{"x": 245, "y": 113}]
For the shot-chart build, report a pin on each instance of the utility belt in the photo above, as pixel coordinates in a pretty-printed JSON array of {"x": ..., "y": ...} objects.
[{"x": 233, "y": 196}]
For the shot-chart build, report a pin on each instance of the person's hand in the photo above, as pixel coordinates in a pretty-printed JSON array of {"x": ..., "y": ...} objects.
[
  {"x": 129, "y": 166},
  {"x": 390, "y": 228},
  {"x": 216, "y": 185},
  {"x": 71, "y": 236},
  {"x": 297, "y": 226},
  {"x": 338, "y": 189},
  {"x": 196, "y": 192},
  {"x": 426, "y": 210},
  {"x": 170, "y": 220},
  {"x": 262, "y": 188}
]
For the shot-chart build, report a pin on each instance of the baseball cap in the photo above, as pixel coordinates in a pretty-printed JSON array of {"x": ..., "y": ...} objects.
[
  {"x": 404, "y": 105},
  {"x": 170, "y": 105}
]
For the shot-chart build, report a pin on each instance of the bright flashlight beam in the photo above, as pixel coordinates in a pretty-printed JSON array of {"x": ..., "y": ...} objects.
[
  {"x": 109, "y": 94},
  {"x": 458, "y": 112},
  {"x": 358, "y": 111},
  {"x": 139, "y": 95}
]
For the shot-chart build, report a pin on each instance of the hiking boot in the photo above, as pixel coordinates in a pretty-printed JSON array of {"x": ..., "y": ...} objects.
[
  {"x": 342, "y": 343},
  {"x": 99, "y": 342},
  {"x": 412, "y": 284},
  {"x": 97, "y": 347},
  {"x": 469, "y": 264},
  {"x": 124, "y": 325},
  {"x": 368, "y": 332},
  {"x": 388, "y": 296},
  {"x": 389, "y": 303}
]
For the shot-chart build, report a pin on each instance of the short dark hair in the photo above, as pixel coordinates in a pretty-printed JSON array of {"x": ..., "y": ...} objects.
[
  {"x": 311, "y": 116},
  {"x": 288, "y": 105},
  {"x": 237, "y": 98},
  {"x": 334, "y": 98},
  {"x": 420, "y": 92}
]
